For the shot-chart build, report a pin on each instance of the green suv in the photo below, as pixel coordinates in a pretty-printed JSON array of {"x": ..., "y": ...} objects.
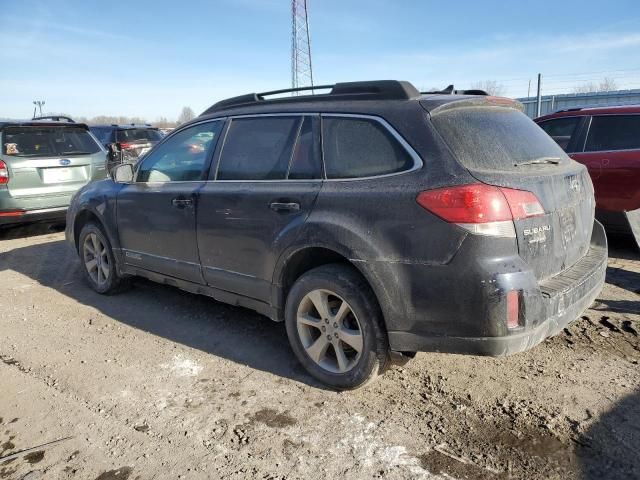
[{"x": 42, "y": 165}]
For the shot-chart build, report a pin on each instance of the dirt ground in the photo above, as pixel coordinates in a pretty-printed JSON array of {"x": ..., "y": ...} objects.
[{"x": 157, "y": 383}]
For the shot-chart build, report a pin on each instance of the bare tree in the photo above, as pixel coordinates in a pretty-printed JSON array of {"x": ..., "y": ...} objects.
[
  {"x": 607, "y": 84},
  {"x": 163, "y": 122},
  {"x": 492, "y": 87},
  {"x": 186, "y": 115}
]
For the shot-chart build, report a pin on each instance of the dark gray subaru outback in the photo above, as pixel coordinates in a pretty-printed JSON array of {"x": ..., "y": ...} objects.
[{"x": 375, "y": 220}]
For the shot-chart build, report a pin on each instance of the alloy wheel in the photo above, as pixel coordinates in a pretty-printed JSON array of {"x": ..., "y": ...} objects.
[
  {"x": 329, "y": 331},
  {"x": 96, "y": 260}
]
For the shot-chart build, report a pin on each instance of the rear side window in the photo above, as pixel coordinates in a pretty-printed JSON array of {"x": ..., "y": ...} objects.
[
  {"x": 48, "y": 141},
  {"x": 358, "y": 147},
  {"x": 614, "y": 132},
  {"x": 561, "y": 130},
  {"x": 496, "y": 138},
  {"x": 258, "y": 148},
  {"x": 138, "y": 135}
]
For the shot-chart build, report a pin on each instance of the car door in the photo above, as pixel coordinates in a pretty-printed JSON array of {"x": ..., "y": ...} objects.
[
  {"x": 156, "y": 214},
  {"x": 267, "y": 177},
  {"x": 612, "y": 155}
]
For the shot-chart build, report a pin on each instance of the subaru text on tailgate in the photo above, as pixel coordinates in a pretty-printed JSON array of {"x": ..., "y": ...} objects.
[
  {"x": 374, "y": 220},
  {"x": 42, "y": 165}
]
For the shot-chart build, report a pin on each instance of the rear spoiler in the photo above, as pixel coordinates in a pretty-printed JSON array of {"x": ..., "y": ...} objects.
[
  {"x": 450, "y": 90},
  {"x": 444, "y": 103},
  {"x": 44, "y": 124}
]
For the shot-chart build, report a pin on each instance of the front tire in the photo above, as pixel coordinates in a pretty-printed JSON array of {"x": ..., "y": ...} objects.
[
  {"x": 335, "y": 327},
  {"x": 98, "y": 261}
]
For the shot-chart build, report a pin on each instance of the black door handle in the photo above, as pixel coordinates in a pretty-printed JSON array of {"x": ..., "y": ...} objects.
[
  {"x": 181, "y": 202},
  {"x": 284, "y": 206}
]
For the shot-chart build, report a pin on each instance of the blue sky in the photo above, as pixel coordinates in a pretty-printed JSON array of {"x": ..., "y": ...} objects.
[{"x": 151, "y": 58}]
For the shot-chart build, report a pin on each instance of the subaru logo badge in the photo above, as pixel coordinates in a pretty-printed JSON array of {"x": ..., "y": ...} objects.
[{"x": 64, "y": 162}]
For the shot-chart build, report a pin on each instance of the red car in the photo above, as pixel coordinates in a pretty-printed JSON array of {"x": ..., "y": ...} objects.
[{"x": 607, "y": 141}]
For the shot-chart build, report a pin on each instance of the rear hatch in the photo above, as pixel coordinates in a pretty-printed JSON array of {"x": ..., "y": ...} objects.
[
  {"x": 501, "y": 146},
  {"x": 49, "y": 160},
  {"x": 135, "y": 142}
]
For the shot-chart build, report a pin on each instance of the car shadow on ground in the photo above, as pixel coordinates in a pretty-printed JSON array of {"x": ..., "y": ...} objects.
[
  {"x": 29, "y": 230},
  {"x": 196, "y": 321},
  {"x": 610, "y": 448}
]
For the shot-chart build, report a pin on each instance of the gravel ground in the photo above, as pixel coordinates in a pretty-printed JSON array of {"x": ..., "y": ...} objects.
[{"x": 157, "y": 383}]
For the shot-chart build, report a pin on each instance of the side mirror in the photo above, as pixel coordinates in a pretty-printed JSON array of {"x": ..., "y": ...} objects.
[{"x": 122, "y": 173}]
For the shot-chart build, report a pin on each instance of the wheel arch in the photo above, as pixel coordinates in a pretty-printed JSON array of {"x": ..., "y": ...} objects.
[
  {"x": 300, "y": 260},
  {"x": 83, "y": 217},
  {"x": 88, "y": 214}
]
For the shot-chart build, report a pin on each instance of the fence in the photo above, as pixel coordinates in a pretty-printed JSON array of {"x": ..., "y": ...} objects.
[{"x": 553, "y": 103}]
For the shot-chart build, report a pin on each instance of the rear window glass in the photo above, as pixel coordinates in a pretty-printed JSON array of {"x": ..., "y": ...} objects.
[
  {"x": 138, "y": 134},
  {"x": 614, "y": 132},
  {"x": 47, "y": 141},
  {"x": 356, "y": 147},
  {"x": 495, "y": 138}
]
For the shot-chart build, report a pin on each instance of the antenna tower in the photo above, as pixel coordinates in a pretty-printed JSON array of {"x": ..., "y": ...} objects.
[{"x": 301, "y": 71}]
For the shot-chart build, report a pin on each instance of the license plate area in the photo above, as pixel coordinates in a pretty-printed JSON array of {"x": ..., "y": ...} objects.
[
  {"x": 568, "y": 225},
  {"x": 63, "y": 174}
]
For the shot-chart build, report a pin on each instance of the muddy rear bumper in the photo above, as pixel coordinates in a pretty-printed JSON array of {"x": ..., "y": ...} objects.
[{"x": 547, "y": 309}]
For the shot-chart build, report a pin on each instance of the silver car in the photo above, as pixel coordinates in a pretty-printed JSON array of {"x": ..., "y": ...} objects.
[{"x": 42, "y": 165}]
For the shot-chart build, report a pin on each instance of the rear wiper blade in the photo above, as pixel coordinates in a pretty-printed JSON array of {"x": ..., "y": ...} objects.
[{"x": 539, "y": 161}]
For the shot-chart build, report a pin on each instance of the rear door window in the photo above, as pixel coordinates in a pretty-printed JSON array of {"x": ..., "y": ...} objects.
[
  {"x": 361, "y": 147},
  {"x": 305, "y": 163},
  {"x": 496, "y": 138},
  {"x": 48, "y": 141},
  {"x": 561, "y": 129},
  {"x": 259, "y": 148},
  {"x": 614, "y": 132}
]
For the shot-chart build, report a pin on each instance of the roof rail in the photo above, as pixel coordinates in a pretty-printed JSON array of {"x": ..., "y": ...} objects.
[
  {"x": 55, "y": 118},
  {"x": 371, "y": 90},
  {"x": 450, "y": 90},
  {"x": 573, "y": 109}
]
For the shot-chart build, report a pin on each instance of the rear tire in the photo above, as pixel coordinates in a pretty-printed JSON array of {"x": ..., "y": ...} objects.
[
  {"x": 98, "y": 261},
  {"x": 335, "y": 327}
]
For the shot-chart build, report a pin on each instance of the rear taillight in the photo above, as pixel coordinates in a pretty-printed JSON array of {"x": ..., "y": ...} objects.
[
  {"x": 481, "y": 209},
  {"x": 124, "y": 145},
  {"x": 4, "y": 173}
]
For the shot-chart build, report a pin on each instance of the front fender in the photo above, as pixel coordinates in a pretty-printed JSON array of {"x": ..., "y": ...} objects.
[{"x": 95, "y": 200}]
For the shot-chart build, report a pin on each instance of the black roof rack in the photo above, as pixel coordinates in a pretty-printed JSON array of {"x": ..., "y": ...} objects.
[
  {"x": 371, "y": 90},
  {"x": 573, "y": 109},
  {"x": 55, "y": 118},
  {"x": 450, "y": 90}
]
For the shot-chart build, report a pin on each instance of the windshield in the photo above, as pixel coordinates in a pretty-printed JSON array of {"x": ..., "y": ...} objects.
[
  {"x": 47, "y": 141},
  {"x": 496, "y": 138},
  {"x": 138, "y": 134}
]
